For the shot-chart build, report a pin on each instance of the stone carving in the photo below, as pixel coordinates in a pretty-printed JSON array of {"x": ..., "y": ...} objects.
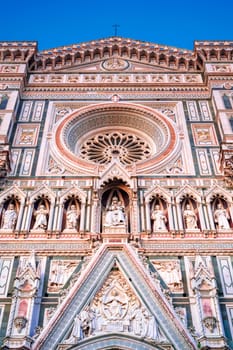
[
  {"x": 72, "y": 216},
  {"x": 181, "y": 312},
  {"x": 39, "y": 78},
  {"x": 170, "y": 272},
  {"x": 73, "y": 79},
  {"x": 20, "y": 323},
  {"x": 41, "y": 218},
  {"x": 9, "y": 218},
  {"x": 115, "y": 213},
  {"x": 158, "y": 218},
  {"x": 115, "y": 64},
  {"x": 115, "y": 309},
  {"x": 60, "y": 272},
  {"x": 190, "y": 218},
  {"x": 210, "y": 323},
  {"x": 48, "y": 314},
  {"x": 221, "y": 217}
]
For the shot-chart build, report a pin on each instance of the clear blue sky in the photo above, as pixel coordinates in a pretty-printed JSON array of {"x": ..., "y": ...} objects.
[{"x": 167, "y": 22}]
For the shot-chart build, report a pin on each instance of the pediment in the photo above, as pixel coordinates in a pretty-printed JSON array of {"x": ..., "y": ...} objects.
[
  {"x": 121, "y": 66},
  {"x": 114, "y": 296},
  {"x": 133, "y": 55}
]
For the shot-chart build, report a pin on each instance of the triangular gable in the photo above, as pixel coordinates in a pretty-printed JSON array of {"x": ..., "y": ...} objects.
[
  {"x": 90, "y": 283},
  {"x": 89, "y": 54},
  {"x": 133, "y": 67}
]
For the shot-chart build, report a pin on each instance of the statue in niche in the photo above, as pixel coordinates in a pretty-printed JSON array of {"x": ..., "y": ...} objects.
[
  {"x": 115, "y": 213},
  {"x": 72, "y": 216},
  {"x": 221, "y": 217},
  {"x": 190, "y": 218},
  {"x": 9, "y": 217},
  {"x": 158, "y": 218},
  {"x": 41, "y": 218}
]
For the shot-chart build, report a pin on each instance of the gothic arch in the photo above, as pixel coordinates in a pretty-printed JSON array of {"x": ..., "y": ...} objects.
[
  {"x": 188, "y": 191},
  {"x": 157, "y": 191},
  {"x": 73, "y": 191},
  {"x": 43, "y": 191},
  {"x": 115, "y": 172},
  {"x": 218, "y": 191},
  {"x": 13, "y": 192},
  {"x": 117, "y": 342}
]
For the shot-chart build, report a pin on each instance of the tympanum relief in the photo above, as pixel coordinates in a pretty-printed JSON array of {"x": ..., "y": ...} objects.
[{"x": 115, "y": 308}]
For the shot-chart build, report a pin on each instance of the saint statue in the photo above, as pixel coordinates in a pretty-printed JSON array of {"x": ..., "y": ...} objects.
[
  {"x": 221, "y": 217},
  {"x": 41, "y": 218},
  {"x": 190, "y": 218},
  {"x": 72, "y": 216},
  {"x": 115, "y": 213},
  {"x": 9, "y": 217},
  {"x": 159, "y": 219}
]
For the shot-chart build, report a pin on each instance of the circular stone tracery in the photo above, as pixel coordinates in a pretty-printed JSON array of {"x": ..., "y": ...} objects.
[
  {"x": 128, "y": 148},
  {"x": 154, "y": 136}
]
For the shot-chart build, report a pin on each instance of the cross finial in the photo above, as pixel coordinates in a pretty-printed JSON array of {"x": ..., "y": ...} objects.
[{"x": 115, "y": 26}]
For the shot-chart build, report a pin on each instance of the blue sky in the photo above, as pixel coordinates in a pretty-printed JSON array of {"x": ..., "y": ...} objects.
[{"x": 166, "y": 22}]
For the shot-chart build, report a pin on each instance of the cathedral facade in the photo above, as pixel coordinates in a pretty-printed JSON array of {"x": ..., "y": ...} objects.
[{"x": 116, "y": 199}]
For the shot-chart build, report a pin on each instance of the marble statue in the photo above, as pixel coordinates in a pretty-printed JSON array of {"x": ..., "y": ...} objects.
[
  {"x": 221, "y": 217},
  {"x": 72, "y": 216},
  {"x": 115, "y": 213},
  {"x": 190, "y": 218},
  {"x": 41, "y": 218},
  {"x": 159, "y": 219},
  {"x": 9, "y": 217},
  {"x": 82, "y": 327}
]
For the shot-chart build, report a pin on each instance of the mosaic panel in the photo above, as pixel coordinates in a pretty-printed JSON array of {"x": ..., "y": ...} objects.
[
  {"x": 25, "y": 111},
  {"x": 38, "y": 111},
  {"x": 26, "y": 135},
  {"x": 205, "y": 111},
  {"x": 192, "y": 111},
  {"x": 214, "y": 153},
  {"x": 226, "y": 274},
  {"x": 5, "y": 272},
  {"x": 27, "y": 162},
  {"x": 203, "y": 162},
  {"x": 204, "y": 135},
  {"x": 15, "y": 156}
]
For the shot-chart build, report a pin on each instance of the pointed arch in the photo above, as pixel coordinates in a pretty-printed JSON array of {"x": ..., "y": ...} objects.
[
  {"x": 43, "y": 191},
  {"x": 90, "y": 282}
]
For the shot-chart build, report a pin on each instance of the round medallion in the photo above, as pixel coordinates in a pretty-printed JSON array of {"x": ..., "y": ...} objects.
[
  {"x": 115, "y": 64},
  {"x": 132, "y": 134}
]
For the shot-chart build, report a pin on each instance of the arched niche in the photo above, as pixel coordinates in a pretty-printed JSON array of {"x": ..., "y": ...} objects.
[
  {"x": 115, "y": 206},
  {"x": 159, "y": 214},
  {"x": 71, "y": 214},
  {"x": 40, "y": 214},
  {"x": 190, "y": 216},
  {"x": 221, "y": 213},
  {"x": 9, "y": 213}
]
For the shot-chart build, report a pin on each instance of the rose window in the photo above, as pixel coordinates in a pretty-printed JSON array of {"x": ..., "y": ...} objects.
[{"x": 128, "y": 148}]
